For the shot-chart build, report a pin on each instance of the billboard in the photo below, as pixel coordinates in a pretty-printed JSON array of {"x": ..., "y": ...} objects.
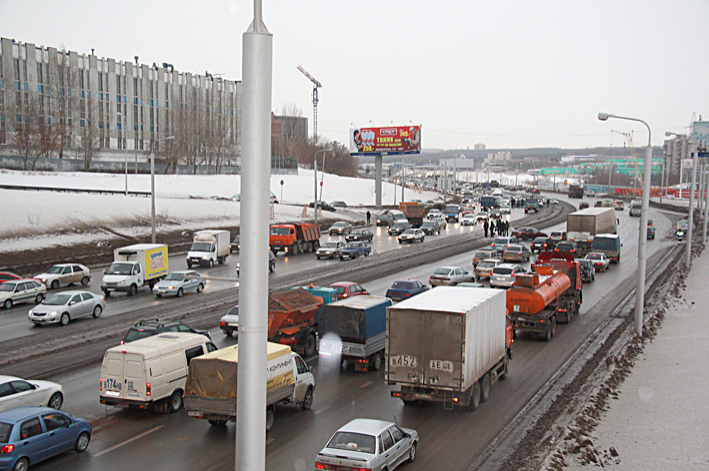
[
  {"x": 391, "y": 140},
  {"x": 700, "y": 133}
]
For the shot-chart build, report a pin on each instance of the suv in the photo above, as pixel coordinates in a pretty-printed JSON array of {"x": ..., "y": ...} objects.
[{"x": 148, "y": 328}]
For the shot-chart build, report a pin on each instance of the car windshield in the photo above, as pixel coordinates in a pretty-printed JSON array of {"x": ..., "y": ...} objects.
[
  {"x": 5, "y": 430},
  {"x": 339, "y": 289},
  {"x": 338, "y": 224},
  {"x": 539, "y": 240},
  {"x": 353, "y": 441},
  {"x": 57, "y": 300},
  {"x": 564, "y": 247},
  {"x": 118, "y": 268},
  {"x": 279, "y": 231},
  {"x": 174, "y": 276},
  {"x": 402, "y": 285},
  {"x": 451, "y": 209},
  {"x": 7, "y": 287},
  {"x": 352, "y": 245},
  {"x": 410, "y": 231},
  {"x": 201, "y": 247},
  {"x": 602, "y": 243},
  {"x": 137, "y": 334},
  {"x": 329, "y": 245},
  {"x": 56, "y": 270}
]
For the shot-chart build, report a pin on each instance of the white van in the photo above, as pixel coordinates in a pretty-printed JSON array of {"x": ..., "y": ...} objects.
[{"x": 150, "y": 372}]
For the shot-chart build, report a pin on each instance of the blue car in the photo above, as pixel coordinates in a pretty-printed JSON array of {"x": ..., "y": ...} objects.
[
  {"x": 401, "y": 290},
  {"x": 29, "y": 435}
]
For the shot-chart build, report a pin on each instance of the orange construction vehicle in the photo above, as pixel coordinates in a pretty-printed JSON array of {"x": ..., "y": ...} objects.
[
  {"x": 414, "y": 212},
  {"x": 294, "y": 238},
  {"x": 550, "y": 294},
  {"x": 292, "y": 319}
]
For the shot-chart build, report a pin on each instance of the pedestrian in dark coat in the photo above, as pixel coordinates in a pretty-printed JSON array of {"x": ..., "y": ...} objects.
[{"x": 485, "y": 226}]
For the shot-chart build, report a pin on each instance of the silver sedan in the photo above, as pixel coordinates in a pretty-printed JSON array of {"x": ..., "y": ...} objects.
[
  {"x": 62, "y": 307},
  {"x": 177, "y": 282}
]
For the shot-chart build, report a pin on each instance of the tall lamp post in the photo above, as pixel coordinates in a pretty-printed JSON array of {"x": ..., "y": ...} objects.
[
  {"x": 690, "y": 217},
  {"x": 152, "y": 186},
  {"x": 640, "y": 289},
  {"x": 315, "y": 176}
]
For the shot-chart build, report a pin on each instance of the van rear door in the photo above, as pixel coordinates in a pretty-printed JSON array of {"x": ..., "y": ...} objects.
[{"x": 123, "y": 376}]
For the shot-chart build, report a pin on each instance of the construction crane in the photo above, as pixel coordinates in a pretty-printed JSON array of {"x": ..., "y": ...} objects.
[
  {"x": 316, "y": 85},
  {"x": 629, "y": 137}
]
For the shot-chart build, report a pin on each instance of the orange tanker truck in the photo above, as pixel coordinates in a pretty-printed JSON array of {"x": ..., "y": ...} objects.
[{"x": 550, "y": 294}]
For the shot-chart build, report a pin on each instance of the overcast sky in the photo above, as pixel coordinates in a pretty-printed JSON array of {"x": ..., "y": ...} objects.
[{"x": 507, "y": 74}]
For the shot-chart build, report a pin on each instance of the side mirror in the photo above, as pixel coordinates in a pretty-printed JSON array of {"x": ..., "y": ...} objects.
[{"x": 310, "y": 369}]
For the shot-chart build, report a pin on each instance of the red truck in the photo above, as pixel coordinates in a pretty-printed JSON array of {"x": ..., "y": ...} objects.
[
  {"x": 549, "y": 294},
  {"x": 294, "y": 238},
  {"x": 292, "y": 319}
]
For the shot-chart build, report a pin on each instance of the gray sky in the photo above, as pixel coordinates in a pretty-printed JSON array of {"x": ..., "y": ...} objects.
[{"x": 503, "y": 73}]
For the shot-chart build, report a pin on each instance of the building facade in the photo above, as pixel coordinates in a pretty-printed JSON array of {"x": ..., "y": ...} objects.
[{"x": 57, "y": 103}]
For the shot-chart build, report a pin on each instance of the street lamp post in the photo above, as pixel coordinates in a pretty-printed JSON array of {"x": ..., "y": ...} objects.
[
  {"x": 690, "y": 217},
  {"x": 315, "y": 175},
  {"x": 152, "y": 187},
  {"x": 640, "y": 289}
]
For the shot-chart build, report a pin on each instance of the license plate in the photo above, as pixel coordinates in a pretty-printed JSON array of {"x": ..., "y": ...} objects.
[
  {"x": 112, "y": 393},
  {"x": 403, "y": 360},
  {"x": 446, "y": 366}
]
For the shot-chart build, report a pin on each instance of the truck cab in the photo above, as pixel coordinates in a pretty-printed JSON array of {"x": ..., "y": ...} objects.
[{"x": 209, "y": 247}]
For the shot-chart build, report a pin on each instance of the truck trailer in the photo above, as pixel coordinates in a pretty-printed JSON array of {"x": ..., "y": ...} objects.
[
  {"x": 211, "y": 386},
  {"x": 209, "y": 247},
  {"x": 448, "y": 345},
  {"x": 582, "y": 226},
  {"x": 135, "y": 266}
]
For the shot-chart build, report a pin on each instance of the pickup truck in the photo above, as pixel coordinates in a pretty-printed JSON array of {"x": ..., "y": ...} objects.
[{"x": 354, "y": 250}]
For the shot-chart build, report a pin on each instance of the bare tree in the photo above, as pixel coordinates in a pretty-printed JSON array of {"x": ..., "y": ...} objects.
[
  {"x": 90, "y": 133},
  {"x": 292, "y": 135},
  {"x": 26, "y": 139},
  {"x": 62, "y": 101}
]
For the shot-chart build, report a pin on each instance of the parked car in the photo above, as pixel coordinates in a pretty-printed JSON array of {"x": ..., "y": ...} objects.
[
  {"x": 528, "y": 233},
  {"x": 501, "y": 243},
  {"x": 229, "y": 323},
  {"x": 15, "y": 392},
  {"x": 600, "y": 261},
  {"x": 405, "y": 289},
  {"x": 398, "y": 227},
  {"x": 338, "y": 204},
  {"x": 468, "y": 220},
  {"x": 588, "y": 271},
  {"x": 148, "y": 328},
  {"x": 323, "y": 205},
  {"x": 346, "y": 289},
  {"x": 505, "y": 275},
  {"x": 568, "y": 246},
  {"x": 8, "y": 276},
  {"x": 540, "y": 244},
  {"x": 235, "y": 246},
  {"x": 363, "y": 235},
  {"x": 329, "y": 249},
  {"x": 431, "y": 227},
  {"x": 353, "y": 250},
  {"x": 271, "y": 264},
  {"x": 29, "y": 435},
  {"x": 411, "y": 236},
  {"x": 516, "y": 253},
  {"x": 449, "y": 276},
  {"x": 340, "y": 228},
  {"x": 65, "y": 306},
  {"x": 65, "y": 274},
  {"x": 235, "y": 198},
  {"x": 21, "y": 291},
  {"x": 368, "y": 444},
  {"x": 178, "y": 282}
]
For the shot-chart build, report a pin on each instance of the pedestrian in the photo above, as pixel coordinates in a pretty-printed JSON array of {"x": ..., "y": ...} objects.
[
  {"x": 547, "y": 202},
  {"x": 507, "y": 228},
  {"x": 485, "y": 227},
  {"x": 369, "y": 217}
]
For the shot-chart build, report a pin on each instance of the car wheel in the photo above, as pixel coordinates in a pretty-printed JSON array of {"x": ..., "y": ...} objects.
[
  {"x": 132, "y": 290},
  {"x": 211, "y": 263},
  {"x": 309, "y": 348},
  {"x": 21, "y": 465},
  {"x": 485, "y": 387},
  {"x": 175, "y": 402},
  {"x": 56, "y": 401},
  {"x": 180, "y": 292},
  {"x": 475, "y": 397},
  {"x": 55, "y": 284},
  {"x": 8, "y": 303},
  {"x": 377, "y": 361},
  {"x": 307, "y": 399},
  {"x": 64, "y": 319},
  {"x": 97, "y": 312},
  {"x": 85, "y": 280},
  {"x": 217, "y": 423},
  {"x": 38, "y": 299},
  {"x": 270, "y": 418},
  {"x": 200, "y": 287},
  {"x": 82, "y": 442},
  {"x": 412, "y": 453}
]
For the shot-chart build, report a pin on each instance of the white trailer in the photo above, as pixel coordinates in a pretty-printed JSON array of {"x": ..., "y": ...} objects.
[
  {"x": 209, "y": 247},
  {"x": 582, "y": 226},
  {"x": 448, "y": 345}
]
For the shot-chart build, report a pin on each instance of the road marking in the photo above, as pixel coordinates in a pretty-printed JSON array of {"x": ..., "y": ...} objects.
[
  {"x": 128, "y": 441},
  {"x": 13, "y": 325},
  {"x": 269, "y": 440},
  {"x": 366, "y": 384},
  {"x": 322, "y": 410}
]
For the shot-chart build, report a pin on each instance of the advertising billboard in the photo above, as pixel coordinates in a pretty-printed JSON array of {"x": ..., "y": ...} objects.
[{"x": 391, "y": 140}]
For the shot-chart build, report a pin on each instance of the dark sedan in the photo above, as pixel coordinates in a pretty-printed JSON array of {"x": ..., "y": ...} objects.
[
  {"x": 541, "y": 244},
  {"x": 401, "y": 290},
  {"x": 360, "y": 235},
  {"x": 570, "y": 247},
  {"x": 323, "y": 205},
  {"x": 528, "y": 233}
]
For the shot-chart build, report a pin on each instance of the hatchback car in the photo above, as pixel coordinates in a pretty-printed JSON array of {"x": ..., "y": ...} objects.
[
  {"x": 600, "y": 261},
  {"x": 29, "y": 435},
  {"x": 368, "y": 444},
  {"x": 583, "y": 205},
  {"x": 485, "y": 267},
  {"x": 398, "y": 227},
  {"x": 346, "y": 289},
  {"x": 65, "y": 274},
  {"x": 558, "y": 235},
  {"x": 179, "y": 282},
  {"x": 449, "y": 276},
  {"x": 505, "y": 275},
  {"x": 21, "y": 291},
  {"x": 328, "y": 249},
  {"x": 405, "y": 289},
  {"x": 16, "y": 392},
  {"x": 149, "y": 328},
  {"x": 363, "y": 235},
  {"x": 340, "y": 228},
  {"x": 650, "y": 229},
  {"x": 619, "y": 205},
  {"x": 411, "y": 236},
  {"x": 516, "y": 253},
  {"x": 65, "y": 306},
  {"x": 229, "y": 322}
]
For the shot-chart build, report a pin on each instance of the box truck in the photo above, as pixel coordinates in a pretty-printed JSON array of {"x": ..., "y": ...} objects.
[
  {"x": 135, "y": 266},
  {"x": 448, "y": 345},
  {"x": 583, "y": 225},
  {"x": 211, "y": 388},
  {"x": 209, "y": 247}
]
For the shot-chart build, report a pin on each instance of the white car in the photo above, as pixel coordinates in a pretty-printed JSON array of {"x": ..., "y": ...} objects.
[
  {"x": 178, "y": 282},
  {"x": 67, "y": 305},
  {"x": 411, "y": 236},
  {"x": 17, "y": 392},
  {"x": 21, "y": 291},
  {"x": 434, "y": 213},
  {"x": 328, "y": 249},
  {"x": 65, "y": 274},
  {"x": 468, "y": 220},
  {"x": 449, "y": 276}
]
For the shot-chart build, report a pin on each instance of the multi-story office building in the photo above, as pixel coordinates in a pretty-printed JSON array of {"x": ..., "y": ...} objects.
[{"x": 66, "y": 103}]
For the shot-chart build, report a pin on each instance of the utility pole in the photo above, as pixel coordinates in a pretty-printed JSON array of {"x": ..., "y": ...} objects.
[{"x": 316, "y": 85}]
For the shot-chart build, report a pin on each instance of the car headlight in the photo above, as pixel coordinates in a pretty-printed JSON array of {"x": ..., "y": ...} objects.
[
  {"x": 52, "y": 313},
  {"x": 31, "y": 313},
  {"x": 170, "y": 287},
  {"x": 205, "y": 257}
]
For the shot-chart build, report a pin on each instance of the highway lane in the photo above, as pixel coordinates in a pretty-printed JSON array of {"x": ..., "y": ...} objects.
[{"x": 449, "y": 439}]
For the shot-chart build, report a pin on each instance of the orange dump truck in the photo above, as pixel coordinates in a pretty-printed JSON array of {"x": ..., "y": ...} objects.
[
  {"x": 294, "y": 238},
  {"x": 551, "y": 294},
  {"x": 292, "y": 319},
  {"x": 414, "y": 212}
]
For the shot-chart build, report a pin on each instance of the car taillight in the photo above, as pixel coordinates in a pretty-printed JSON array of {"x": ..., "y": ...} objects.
[
  {"x": 7, "y": 449},
  {"x": 122, "y": 342},
  {"x": 222, "y": 323},
  {"x": 512, "y": 274},
  {"x": 100, "y": 384},
  {"x": 147, "y": 389}
]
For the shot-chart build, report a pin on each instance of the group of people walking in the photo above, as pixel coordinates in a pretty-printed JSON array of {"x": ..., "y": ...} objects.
[{"x": 501, "y": 228}]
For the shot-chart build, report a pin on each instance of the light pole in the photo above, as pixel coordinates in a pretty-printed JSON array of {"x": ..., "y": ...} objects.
[
  {"x": 315, "y": 175},
  {"x": 118, "y": 113},
  {"x": 152, "y": 187},
  {"x": 690, "y": 217},
  {"x": 640, "y": 289}
]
